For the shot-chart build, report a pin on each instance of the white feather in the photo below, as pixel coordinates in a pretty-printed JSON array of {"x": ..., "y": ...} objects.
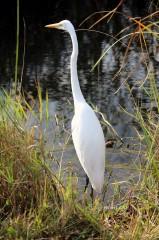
[
  {"x": 89, "y": 144},
  {"x": 87, "y": 134}
]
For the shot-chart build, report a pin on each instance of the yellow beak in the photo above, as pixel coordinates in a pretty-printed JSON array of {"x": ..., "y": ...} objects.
[{"x": 55, "y": 25}]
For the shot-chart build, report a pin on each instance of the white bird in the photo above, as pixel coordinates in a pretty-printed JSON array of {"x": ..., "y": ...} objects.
[{"x": 87, "y": 134}]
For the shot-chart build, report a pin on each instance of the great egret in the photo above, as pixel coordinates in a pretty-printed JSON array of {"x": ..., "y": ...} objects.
[{"x": 87, "y": 134}]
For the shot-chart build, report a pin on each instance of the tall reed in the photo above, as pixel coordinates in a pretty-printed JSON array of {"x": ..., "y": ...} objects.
[{"x": 17, "y": 50}]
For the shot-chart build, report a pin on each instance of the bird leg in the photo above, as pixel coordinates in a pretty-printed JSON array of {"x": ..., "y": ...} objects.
[
  {"x": 92, "y": 195},
  {"x": 87, "y": 182},
  {"x": 86, "y": 186}
]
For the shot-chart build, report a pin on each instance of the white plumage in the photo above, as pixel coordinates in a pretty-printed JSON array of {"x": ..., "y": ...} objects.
[{"x": 87, "y": 134}]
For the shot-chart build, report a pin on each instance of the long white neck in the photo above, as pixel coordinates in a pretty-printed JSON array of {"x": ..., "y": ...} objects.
[{"x": 76, "y": 91}]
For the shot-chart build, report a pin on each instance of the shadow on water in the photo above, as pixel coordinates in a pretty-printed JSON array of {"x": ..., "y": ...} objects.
[{"x": 47, "y": 61}]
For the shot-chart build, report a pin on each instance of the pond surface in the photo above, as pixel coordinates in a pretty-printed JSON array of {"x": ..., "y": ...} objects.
[{"x": 47, "y": 57}]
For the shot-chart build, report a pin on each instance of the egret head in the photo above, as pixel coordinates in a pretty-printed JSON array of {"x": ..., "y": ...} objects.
[{"x": 63, "y": 25}]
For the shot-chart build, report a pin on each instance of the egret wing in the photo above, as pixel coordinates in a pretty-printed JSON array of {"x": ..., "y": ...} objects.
[{"x": 88, "y": 139}]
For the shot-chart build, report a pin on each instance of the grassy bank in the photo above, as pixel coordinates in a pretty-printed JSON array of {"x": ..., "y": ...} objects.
[{"x": 35, "y": 204}]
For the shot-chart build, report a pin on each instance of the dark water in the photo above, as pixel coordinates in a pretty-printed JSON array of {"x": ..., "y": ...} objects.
[{"x": 47, "y": 59}]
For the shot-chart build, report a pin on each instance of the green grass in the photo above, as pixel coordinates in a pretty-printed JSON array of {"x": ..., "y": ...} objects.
[{"x": 35, "y": 204}]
